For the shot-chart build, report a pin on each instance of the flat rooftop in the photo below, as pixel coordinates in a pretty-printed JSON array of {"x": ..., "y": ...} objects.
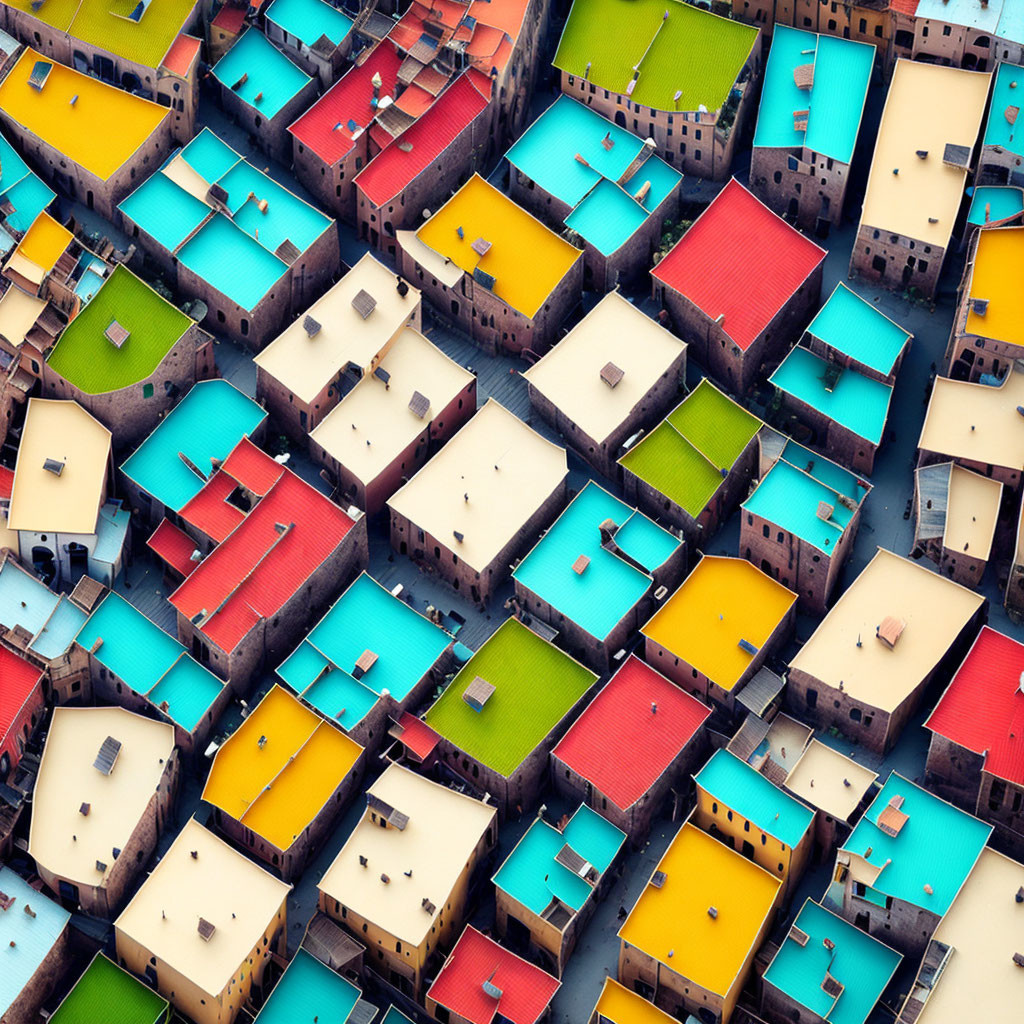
[
  {"x": 309, "y": 990},
  {"x": 995, "y": 271},
  {"x": 972, "y": 512},
  {"x": 622, "y": 41},
  {"x": 929, "y": 107},
  {"x": 830, "y": 781},
  {"x": 52, "y": 620},
  {"x": 614, "y": 331},
  {"x": 620, "y": 1005},
  {"x": 844, "y": 646},
  {"x": 535, "y": 686},
  {"x": 308, "y": 20},
  {"x": 259, "y": 74},
  {"x": 609, "y": 587},
  {"x": 441, "y": 835},
  {"x": 100, "y": 130},
  {"x": 1000, "y": 130},
  {"x": 482, "y": 487},
  {"x": 722, "y": 601},
  {"x": 993, "y": 203},
  {"x": 24, "y": 190},
  {"x": 105, "y": 992},
  {"x": 709, "y": 951}
]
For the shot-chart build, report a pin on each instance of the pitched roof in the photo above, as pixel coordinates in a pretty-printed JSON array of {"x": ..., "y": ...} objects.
[
  {"x": 526, "y": 991},
  {"x": 409, "y": 155},
  {"x": 983, "y": 706},
  {"x": 179, "y": 57},
  {"x": 741, "y": 262},
  {"x": 18, "y": 678},
  {"x": 619, "y": 744},
  {"x": 173, "y": 545}
]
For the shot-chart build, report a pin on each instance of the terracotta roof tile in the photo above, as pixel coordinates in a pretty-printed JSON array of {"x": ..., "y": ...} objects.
[
  {"x": 174, "y": 546},
  {"x": 210, "y": 511}
]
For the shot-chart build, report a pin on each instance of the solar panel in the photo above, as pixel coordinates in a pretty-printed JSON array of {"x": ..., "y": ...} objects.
[
  {"x": 107, "y": 757},
  {"x": 363, "y": 303},
  {"x": 419, "y": 404}
]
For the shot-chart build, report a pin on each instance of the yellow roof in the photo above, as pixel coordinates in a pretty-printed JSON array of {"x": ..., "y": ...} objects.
[
  {"x": 69, "y": 501},
  {"x": 701, "y": 873},
  {"x": 277, "y": 787},
  {"x": 45, "y": 242},
  {"x": 995, "y": 276},
  {"x": 618, "y": 1005},
  {"x": 723, "y": 601},
  {"x": 99, "y": 131},
  {"x": 526, "y": 259},
  {"x": 928, "y": 107}
]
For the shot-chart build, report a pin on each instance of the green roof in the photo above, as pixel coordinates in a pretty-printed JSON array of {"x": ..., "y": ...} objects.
[
  {"x": 106, "y": 993},
  {"x": 535, "y": 686},
  {"x": 690, "y": 51},
  {"x": 684, "y": 456},
  {"x": 90, "y": 361}
]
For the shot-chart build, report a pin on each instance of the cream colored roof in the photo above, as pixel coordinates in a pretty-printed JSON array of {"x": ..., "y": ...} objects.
[
  {"x": 307, "y": 365},
  {"x": 985, "y": 927},
  {"x": 62, "y": 839},
  {"x": 445, "y": 270},
  {"x": 373, "y": 423},
  {"x": 507, "y": 469},
  {"x": 443, "y": 830},
  {"x": 219, "y": 885},
  {"x": 182, "y": 173},
  {"x": 971, "y": 513},
  {"x": 820, "y": 778},
  {"x": 976, "y": 421},
  {"x": 935, "y": 610},
  {"x": 18, "y": 314},
  {"x": 614, "y": 331},
  {"x": 42, "y": 501},
  {"x": 927, "y": 107},
  {"x": 25, "y": 268}
]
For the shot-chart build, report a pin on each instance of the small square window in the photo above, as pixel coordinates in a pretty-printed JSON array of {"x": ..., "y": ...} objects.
[{"x": 147, "y": 390}]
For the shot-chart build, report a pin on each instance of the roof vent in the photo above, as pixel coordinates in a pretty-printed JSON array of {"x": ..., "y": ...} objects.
[
  {"x": 382, "y": 375},
  {"x": 40, "y": 73},
  {"x": 116, "y": 334},
  {"x": 1018, "y": 959},
  {"x": 658, "y": 879},
  {"x": 419, "y": 404},
  {"x": 892, "y": 819},
  {"x": 825, "y": 511},
  {"x": 478, "y": 693},
  {"x": 747, "y": 646},
  {"x": 890, "y": 630},
  {"x": 428, "y": 906},
  {"x": 803, "y": 76},
  {"x": 713, "y": 913},
  {"x": 481, "y": 247},
  {"x": 54, "y": 466},
  {"x": 1011, "y": 114},
  {"x": 402, "y": 287},
  {"x": 364, "y": 663},
  {"x": 311, "y": 326},
  {"x": 101, "y": 867},
  {"x": 84, "y": 810},
  {"x": 580, "y": 565},
  {"x": 363, "y": 303},
  {"x": 798, "y": 935},
  {"x": 828, "y": 943},
  {"x": 206, "y": 929},
  {"x": 612, "y": 374},
  {"x": 107, "y": 756},
  {"x": 491, "y": 989},
  {"x": 979, "y": 306},
  {"x": 957, "y": 156},
  {"x": 608, "y": 142},
  {"x": 923, "y": 154},
  {"x": 1019, "y": 897},
  {"x": 460, "y": 537},
  {"x": 385, "y": 879}
]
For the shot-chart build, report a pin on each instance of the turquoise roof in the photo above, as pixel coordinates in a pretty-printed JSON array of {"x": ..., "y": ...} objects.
[
  {"x": 605, "y": 214},
  {"x": 1006, "y": 92},
  {"x": 1003, "y": 201},
  {"x": 209, "y": 156},
  {"x": 861, "y": 964},
  {"x": 164, "y": 210},
  {"x": 150, "y": 661},
  {"x": 26, "y": 601},
  {"x": 791, "y": 491},
  {"x": 842, "y": 73},
  {"x": 60, "y": 630},
  {"x": 858, "y": 403},
  {"x": 750, "y": 795},
  {"x": 206, "y": 424},
  {"x": 308, "y": 20},
  {"x": 269, "y": 74},
  {"x": 598, "y": 598},
  {"x": 19, "y": 186},
  {"x": 938, "y": 846},
  {"x": 395, "y": 1016},
  {"x": 533, "y": 877},
  {"x": 25, "y": 939},
  {"x": 365, "y": 617},
  {"x": 851, "y": 325},
  {"x": 309, "y": 991},
  {"x": 111, "y": 530},
  {"x": 1011, "y": 22}
]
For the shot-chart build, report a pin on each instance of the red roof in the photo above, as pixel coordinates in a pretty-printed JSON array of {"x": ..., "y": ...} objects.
[
  {"x": 904, "y": 6},
  {"x": 396, "y": 166},
  {"x": 6, "y": 482},
  {"x": 230, "y": 19},
  {"x": 983, "y": 707},
  {"x": 417, "y": 736},
  {"x": 619, "y": 745},
  {"x": 739, "y": 260},
  {"x": 210, "y": 511},
  {"x": 504, "y": 14},
  {"x": 414, "y": 100},
  {"x": 181, "y": 54},
  {"x": 252, "y": 468},
  {"x": 18, "y": 678},
  {"x": 526, "y": 990},
  {"x": 347, "y": 100},
  {"x": 264, "y": 562},
  {"x": 174, "y": 546}
]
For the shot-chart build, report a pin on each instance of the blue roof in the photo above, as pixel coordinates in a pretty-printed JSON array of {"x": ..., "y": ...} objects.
[
  {"x": 609, "y": 587},
  {"x": 26, "y": 193},
  {"x": 533, "y": 877},
  {"x": 858, "y": 403},
  {"x": 938, "y": 846},
  {"x": 395, "y": 1016},
  {"x": 209, "y": 156},
  {"x": 791, "y": 491},
  {"x": 150, "y": 661},
  {"x": 747, "y": 792},
  {"x": 1011, "y": 22},
  {"x": 605, "y": 214},
  {"x": 861, "y": 964},
  {"x": 309, "y": 991},
  {"x": 851, "y": 325},
  {"x": 271, "y": 79},
  {"x": 206, "y": 424},
  {"x": 365, "y": 617},
  {"x": 842, "y": 73},
  {"x": 60, "y": 630},
  {"x": 308, "y": 20},
  {"x": 111, "y": 530},
  {"x": 25, "y": 939},
  {"x": 164, "y": 210},
  {"x": 26, "y": 601},
  {"x": 1003, "y": 201},
  {"x": 1006, "y": 92}
]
